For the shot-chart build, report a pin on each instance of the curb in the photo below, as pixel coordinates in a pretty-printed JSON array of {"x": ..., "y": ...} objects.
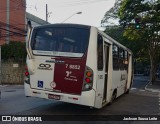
[
  {"x": 3, "y": 85},
  {"x": 150, "y": 89}
]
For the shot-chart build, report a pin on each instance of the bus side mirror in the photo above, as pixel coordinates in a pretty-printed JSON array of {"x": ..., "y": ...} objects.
[
  {"x": 29, "y": 24},
  {"x": 29, "y": 30}
]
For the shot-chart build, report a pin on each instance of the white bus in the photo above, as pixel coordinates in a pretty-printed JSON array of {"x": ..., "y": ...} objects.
[{"x": 76, "y": 64}]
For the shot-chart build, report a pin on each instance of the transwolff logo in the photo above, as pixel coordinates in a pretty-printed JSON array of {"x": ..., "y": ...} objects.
[{"x": 45, "y": 67}]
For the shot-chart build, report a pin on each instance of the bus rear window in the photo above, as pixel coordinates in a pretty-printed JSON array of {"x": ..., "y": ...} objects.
[{"x": 59, "y": 41}]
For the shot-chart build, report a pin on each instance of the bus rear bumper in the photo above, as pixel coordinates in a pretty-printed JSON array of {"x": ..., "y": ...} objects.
[
  {"x": 86, "y": 98},
  {"x": 27, "y": 90}
]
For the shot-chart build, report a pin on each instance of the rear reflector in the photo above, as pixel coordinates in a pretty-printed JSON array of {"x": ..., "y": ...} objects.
[{"x": 73, "y": 98}]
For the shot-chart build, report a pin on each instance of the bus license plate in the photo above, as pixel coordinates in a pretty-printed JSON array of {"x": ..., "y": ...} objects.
[{"x": 52, "y": 96}]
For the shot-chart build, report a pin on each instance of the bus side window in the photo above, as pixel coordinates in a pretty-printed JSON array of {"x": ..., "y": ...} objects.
[
  {"x": 115, "y": 51},
  {"x": 121, "y": 58},
  {"x": 100, "y": 52},
  {"x": 126, "y": 60}
]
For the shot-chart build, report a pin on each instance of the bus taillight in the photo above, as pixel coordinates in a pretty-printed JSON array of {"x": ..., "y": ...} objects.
[
  {"x": 26, "y": 72},
  {"x": 89, "y": 74},
  {"x": 88, "y": 79},
  {"x": 27, "y": 78}
]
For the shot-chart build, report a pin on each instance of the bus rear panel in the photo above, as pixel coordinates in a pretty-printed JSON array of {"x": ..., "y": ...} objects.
[{"x": 59, "y": 62}]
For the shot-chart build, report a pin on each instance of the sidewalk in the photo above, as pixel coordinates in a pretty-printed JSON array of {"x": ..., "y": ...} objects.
[{"x": 153, "y": 87}]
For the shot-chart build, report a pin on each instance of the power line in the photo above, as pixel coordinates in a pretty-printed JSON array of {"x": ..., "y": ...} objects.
[
  {"x": 11, "y": 26},
  {"x": 19, "y": 6},
  {"x": 76, "y": 3},
  {"x": 11, "y": 10},
  {"x": 13, "y": 30},
  {"x": 15, "y": 33},
  {"x": 20, "y": 3},
  {"x": 81, "y": 2}
]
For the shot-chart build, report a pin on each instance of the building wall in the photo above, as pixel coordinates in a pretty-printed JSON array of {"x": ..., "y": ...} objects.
[
  {"x": 3, "y": 6},
  {"x": 12, "y": 73},
  {"x": 12, "y": 19},
  {"x": 17, "y": 19}
]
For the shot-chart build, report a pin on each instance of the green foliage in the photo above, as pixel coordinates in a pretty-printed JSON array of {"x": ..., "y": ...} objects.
[
  {"x": 14, "y": 50},
  {"x": 111, "y": 15},
  {"x": 117, "y": 32},
  {"x": 148, "y": 11}
]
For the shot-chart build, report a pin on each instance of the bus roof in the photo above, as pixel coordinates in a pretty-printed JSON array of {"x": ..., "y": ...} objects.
[{"x": 65, "y": 25}]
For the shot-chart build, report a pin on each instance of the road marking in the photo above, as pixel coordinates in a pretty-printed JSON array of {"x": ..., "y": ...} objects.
[
  {"x": 137, "y": 89},
  {"x": 3, "y": 85},
  {"x": 142, "y": 90},
  {"x": 133, "y": 88}
]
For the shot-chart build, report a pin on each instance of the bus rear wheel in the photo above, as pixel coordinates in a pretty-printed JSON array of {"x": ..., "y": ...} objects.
[
  {"x": 127, "y": 92},
  {"x": 114, "y": 95}
]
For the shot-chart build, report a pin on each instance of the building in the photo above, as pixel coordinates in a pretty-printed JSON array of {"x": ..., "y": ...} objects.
[
  {"x": 13, "y": 20},
  {"x": 35, "y": 20}
]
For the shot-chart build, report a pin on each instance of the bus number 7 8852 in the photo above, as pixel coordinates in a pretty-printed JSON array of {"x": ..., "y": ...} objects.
[{"x": 74, "y": 67}]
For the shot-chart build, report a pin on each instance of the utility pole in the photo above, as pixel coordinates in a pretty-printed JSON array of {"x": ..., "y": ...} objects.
[
  {"x": 8, "y": 22},
  {"x": 46, "y": 13}
]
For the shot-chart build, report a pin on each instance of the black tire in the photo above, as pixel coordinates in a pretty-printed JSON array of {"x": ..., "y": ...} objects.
[
  {"x": 127, "y": 92},
  {"x": 114, "y": 95}
]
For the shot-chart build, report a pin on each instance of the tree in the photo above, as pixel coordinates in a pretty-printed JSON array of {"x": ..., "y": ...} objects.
[
  {"x": 148, "y": 11},
  {"x": 139, "y": 52},
  {"x": 14, "y": 50},
  {"x": 112, "y": 14},
  {"x": 141, "y": 22}
]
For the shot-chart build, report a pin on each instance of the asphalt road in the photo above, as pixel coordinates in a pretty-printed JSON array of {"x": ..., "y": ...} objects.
[
  {"x": 140, "y": 82},
  {"x": 137, "y": 102}
]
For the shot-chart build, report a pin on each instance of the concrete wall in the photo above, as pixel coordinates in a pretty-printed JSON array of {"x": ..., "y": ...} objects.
[{"x": 12, "y": 73}]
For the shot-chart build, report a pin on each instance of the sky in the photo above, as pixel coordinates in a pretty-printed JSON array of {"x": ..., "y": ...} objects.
[{"x": 64, "y": 11}]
